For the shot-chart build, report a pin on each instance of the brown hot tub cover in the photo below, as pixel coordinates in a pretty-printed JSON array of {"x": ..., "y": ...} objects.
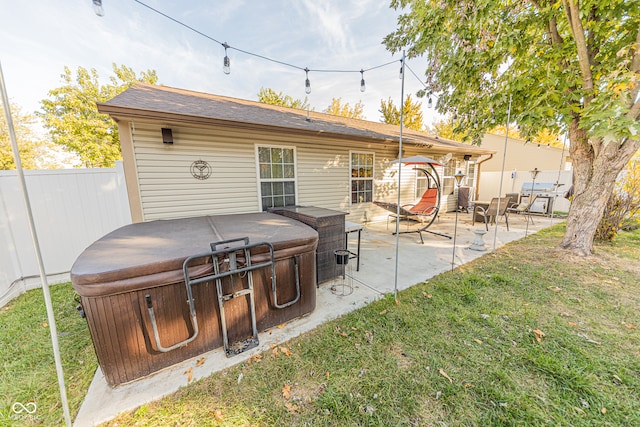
[{"x": 118, "y": 274}]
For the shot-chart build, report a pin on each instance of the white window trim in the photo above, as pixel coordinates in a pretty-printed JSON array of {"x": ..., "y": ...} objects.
[
  {"x": 258, "y": 179},
  {"x": 373, "y": 175}
]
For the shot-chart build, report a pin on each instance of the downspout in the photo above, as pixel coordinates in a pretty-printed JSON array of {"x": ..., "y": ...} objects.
[{"x": 478, "y": 167}]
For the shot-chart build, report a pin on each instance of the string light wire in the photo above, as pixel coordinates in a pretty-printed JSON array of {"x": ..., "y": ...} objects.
[{"x": 266, "y": 58}]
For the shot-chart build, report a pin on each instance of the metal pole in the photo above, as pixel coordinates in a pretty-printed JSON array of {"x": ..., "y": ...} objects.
[
  {"x": 36, "y": 246},
  {"x": 555, "y": 196},
  {"x": 504, "y": 157},
  {"x": 395, "y": 283},
  {"x": 455, "y": 234}
]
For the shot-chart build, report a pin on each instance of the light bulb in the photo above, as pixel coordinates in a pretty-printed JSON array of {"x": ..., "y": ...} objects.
[
  {"x": 429, "y": 103},
  {"x": 226, "y": 63},
  {"x": 97, "y": 7},
  {"x": 307, "y": 83},
  {"x": 363, "y": 87},
  {"x": 226, "y": 66},
  {"x": 401, "y": 72}
]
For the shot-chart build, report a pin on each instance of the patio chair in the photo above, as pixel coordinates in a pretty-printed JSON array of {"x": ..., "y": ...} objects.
[
  {"x": 524, "y": 208},
  {"x": 425, "y": 211},
  {"x": 490, "y": 213}
]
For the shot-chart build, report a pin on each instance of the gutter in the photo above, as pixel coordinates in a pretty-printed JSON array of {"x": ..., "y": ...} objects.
[{"x": 478, "y": 169}]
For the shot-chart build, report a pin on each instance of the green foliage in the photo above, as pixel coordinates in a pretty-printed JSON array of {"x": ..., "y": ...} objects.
[
  {"x": 35, "y": 153},
  {"x": 623, "y": 206},
  {"x": 71, "y": 114},
  {"x": 270, "y": 96},
  {"x": 412, "y": 114},
  {"x": 336, "y": 108},
  {"x": 480, "y": 53}
]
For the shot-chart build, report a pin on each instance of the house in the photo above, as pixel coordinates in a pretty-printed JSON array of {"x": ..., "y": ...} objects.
[
  {"x": 522, "y": 157},
  {"x": 187, "y": 153}
]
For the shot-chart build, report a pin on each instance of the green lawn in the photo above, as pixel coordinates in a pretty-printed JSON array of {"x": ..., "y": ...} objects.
[{"x": 523, "y": 336}]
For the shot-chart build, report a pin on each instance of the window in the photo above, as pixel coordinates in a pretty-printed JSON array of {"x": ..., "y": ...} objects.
[
  {"x": 361, "y": 178},
  {"x": 448, "y": 181},
  {"x": 423, "y": 182},
  {"x": 277, "y": 176}
]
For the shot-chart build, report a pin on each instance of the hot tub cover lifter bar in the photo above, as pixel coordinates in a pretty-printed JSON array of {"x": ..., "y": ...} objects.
[{"x": 228, "y": 256}]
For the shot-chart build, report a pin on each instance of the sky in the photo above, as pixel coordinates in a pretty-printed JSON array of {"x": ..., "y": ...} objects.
[{"x": 38, "y": 38}]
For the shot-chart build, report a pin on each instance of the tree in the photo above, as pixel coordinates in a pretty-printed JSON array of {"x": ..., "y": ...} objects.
[
  {"x": 412, "y": 113},
  {"x": 270, "y": 96},
  {"x": 336, "y": 108},
  {"x": 72, "y": 118},
  {"x": 35, "y": 153},
  {"x": 567, "y": 65}
]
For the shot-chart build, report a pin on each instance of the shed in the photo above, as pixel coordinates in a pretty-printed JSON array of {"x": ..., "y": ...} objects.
[{"x": 188, "y": 154}]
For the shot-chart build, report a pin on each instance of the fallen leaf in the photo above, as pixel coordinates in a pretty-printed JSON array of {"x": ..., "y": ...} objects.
[
  {"x": 327, "y": 374},
  {"x": 477, "y": 340},
  {"x": 444, "y": 374},
  {"x": 603, "y": 410},
  {"x": 285, "y": 350},
  {"x": 468, "y": 385},
  {"x": 189, "y": 374},
  {"x": 554, "y": 288},
  {"x": 291, "y": 407},
  {"x": 218, "y": 416},
  {"x": 515, "y": 268},
  {"x": 426, "y": 295},
  {"x": 629, "y": 325},
  {"x": 383, "y": 311},
  {"x": 274, "y": 352},
  {"x": 286, "y": 391},
  {"x": 281, "y": 325},
  {"x": 397, "y": 302},
  {"x": 45, "y": 324},
  {"x": 200, "y": 362},
  {"x": 272, "y": 346},
  {"x": 240, "y": 377},
  {"x": 539, "y": 334},
  {"x": 344, "y": 334},
  {"x": 256, "y": 358}
]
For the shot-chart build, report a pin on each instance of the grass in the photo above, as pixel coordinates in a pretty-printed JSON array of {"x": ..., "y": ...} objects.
[{"x": 524, "y": 336}]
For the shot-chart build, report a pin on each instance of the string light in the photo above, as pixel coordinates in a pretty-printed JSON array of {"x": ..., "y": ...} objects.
[
  {"x": 97, "y": 7},
  {"x": 429, "y": 102},
  {"x": 401, "y": 70},
  {"x": 226, "y": 64},
  {"x": 307, "y": 83}
]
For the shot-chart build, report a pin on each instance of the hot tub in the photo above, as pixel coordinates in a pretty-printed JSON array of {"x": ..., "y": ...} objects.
[{"x": 152, "y": 292}]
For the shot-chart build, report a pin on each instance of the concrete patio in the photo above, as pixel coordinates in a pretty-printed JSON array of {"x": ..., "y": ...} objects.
[{"x": 416, "y": 263}]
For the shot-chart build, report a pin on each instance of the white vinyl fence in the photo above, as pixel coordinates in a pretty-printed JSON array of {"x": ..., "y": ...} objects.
[{"x": 71, "y": 208}]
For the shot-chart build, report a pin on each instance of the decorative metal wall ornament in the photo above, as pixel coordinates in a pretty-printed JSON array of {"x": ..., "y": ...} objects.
[{"x": 200, "y": 169}]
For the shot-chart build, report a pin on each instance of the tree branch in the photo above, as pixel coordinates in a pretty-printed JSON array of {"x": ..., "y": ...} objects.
[
  {"x": 572, "y": 9},
  {"x": 635, "y": 62},
  {"x": 634, "y": 112}
]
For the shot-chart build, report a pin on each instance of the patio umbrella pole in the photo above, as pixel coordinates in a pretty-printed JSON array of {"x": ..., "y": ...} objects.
[
  {"x": 395, "y": 283},
  {"x": 36, "y": 246},
  {"x": 504, "y": 157}
]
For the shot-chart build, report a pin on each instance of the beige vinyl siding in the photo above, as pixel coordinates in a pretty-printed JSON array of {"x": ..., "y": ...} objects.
[{"x": 168, "y": 190}]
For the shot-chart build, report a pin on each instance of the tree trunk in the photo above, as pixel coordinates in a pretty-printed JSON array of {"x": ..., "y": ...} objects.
[{"x": 596, "y": 166}]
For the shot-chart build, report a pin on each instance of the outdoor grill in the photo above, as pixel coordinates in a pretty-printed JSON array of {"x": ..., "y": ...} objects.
[{"x": 546, "y": 192}]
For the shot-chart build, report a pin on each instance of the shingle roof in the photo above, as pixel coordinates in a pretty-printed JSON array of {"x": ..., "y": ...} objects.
[{"x": 162, "y": 102}]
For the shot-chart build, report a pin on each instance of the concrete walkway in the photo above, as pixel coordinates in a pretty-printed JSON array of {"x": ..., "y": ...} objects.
[{"x": 416, "y": 263}]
